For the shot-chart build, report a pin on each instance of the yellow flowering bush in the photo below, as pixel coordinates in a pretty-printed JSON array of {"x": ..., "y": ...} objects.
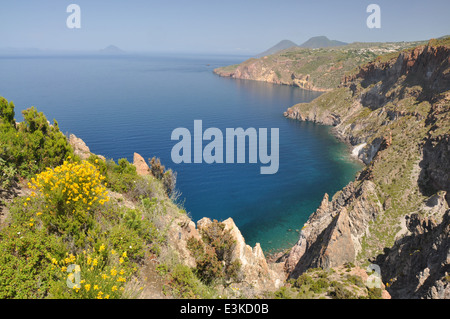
[
  {"x": 102, "y": 274},
  {"x": 70, "y": 194}
]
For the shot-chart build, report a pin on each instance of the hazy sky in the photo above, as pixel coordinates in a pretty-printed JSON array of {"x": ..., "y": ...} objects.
[{"x": 225, "y": 26}]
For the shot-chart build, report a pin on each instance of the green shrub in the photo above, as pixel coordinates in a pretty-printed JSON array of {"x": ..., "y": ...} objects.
[
  {"x": 282, "y": 293},
  {"x": 320, "y": 285},
  {"x": 185, "y": 284},
  {"x": 340, "y": 292},
  {"x": 156, "y": 168},
  {"x": 355, "y": 280},
  {"x": 121, "y": 177},
  {"x": 25, "y": 270},
  {"x": 208, "y": 267},
  {"x": 374, "y": 293},
  {"x": 303, "y": 280},
  {"x": 33, "y": 144},
  {"x": 122, "y": 238},
  {"x": 213, "y": 254},
  {"x": 168, "y": 178}
]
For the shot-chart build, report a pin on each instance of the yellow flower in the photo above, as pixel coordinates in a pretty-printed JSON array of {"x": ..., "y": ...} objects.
[
  {"x": 121, "y": 260},
  {"x": 102, "y": 248},
  {"x": 87, "y": 287},
  {"x": 114, "y": 288},
  {"x": 96, "y": 287},
  {"x": 113, "y": 252},
  {"x": 124, "y": 255}
]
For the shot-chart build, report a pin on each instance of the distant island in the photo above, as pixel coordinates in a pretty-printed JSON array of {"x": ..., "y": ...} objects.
[{"x": 112, "y": 49}]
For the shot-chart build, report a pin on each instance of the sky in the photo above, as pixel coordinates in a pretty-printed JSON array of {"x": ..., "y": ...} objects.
[{"x": 213, "y": 26}]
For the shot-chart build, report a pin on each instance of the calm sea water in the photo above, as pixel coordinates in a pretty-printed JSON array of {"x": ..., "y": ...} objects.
[{"x": 121, "y": 105}]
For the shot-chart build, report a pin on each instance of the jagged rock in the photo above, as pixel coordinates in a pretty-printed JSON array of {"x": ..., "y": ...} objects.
[
  {"x": 332, "y": 235},
  {"x": 141, "y": 166},
  {"x": 80, "y": 148},
  {"x": 339, "y": 247},
  {"x": 256, "y": 272}
]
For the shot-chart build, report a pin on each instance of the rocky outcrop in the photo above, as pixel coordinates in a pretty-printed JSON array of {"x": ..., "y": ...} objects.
[
  {"x": 256, "y": 272},
  {"x": 332, "y": 235},
  {"x": 80, "y": 148},
  {"x": 260, "y": 70},
  {"x": 141, "y": 166}
]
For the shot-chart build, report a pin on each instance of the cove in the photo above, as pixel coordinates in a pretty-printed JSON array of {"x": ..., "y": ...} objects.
[{"x": 132, "y": 103}]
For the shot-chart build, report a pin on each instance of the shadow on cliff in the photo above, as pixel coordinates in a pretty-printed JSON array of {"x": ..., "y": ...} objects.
[{"x": 412, "y": 268}]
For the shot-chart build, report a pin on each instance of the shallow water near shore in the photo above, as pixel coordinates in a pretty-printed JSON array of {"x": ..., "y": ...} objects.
[{"x": 125, "y": 104}]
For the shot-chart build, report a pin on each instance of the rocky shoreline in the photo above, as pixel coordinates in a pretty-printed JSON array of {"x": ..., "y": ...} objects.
[{"x": 370, "y": 112}]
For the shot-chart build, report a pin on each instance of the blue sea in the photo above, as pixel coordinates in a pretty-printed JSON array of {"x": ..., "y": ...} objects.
[{"x": 124, "y": 104}]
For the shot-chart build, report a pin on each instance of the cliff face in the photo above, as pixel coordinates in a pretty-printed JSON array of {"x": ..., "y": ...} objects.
[
  {"x": 311, "y": 69},
  {"x": 266, "y": 70},
  {"x": 394, "y": 112}
]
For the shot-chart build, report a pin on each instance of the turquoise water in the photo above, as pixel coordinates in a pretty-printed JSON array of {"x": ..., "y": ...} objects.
[{"x": 126, "y": 104}]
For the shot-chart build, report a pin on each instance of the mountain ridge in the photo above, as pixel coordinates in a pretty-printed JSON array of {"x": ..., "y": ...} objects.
[{"x": 312, "y": 43}]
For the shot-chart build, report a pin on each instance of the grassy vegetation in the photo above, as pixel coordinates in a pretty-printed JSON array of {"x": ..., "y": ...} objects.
[{"x": 337, "y": 283}]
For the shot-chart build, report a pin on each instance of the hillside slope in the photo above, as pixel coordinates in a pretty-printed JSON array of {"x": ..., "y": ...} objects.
[
  {"x": 282, "y": 45},
  {"x": 394, "y": 112},
  {"x": 321, "y": 42},
  {"x": 312, "y": 69}
]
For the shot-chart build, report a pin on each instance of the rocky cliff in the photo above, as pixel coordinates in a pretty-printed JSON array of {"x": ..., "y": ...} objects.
[
  {"x": 394, "y": 112},
  {"x": 312, "y": 69}
]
